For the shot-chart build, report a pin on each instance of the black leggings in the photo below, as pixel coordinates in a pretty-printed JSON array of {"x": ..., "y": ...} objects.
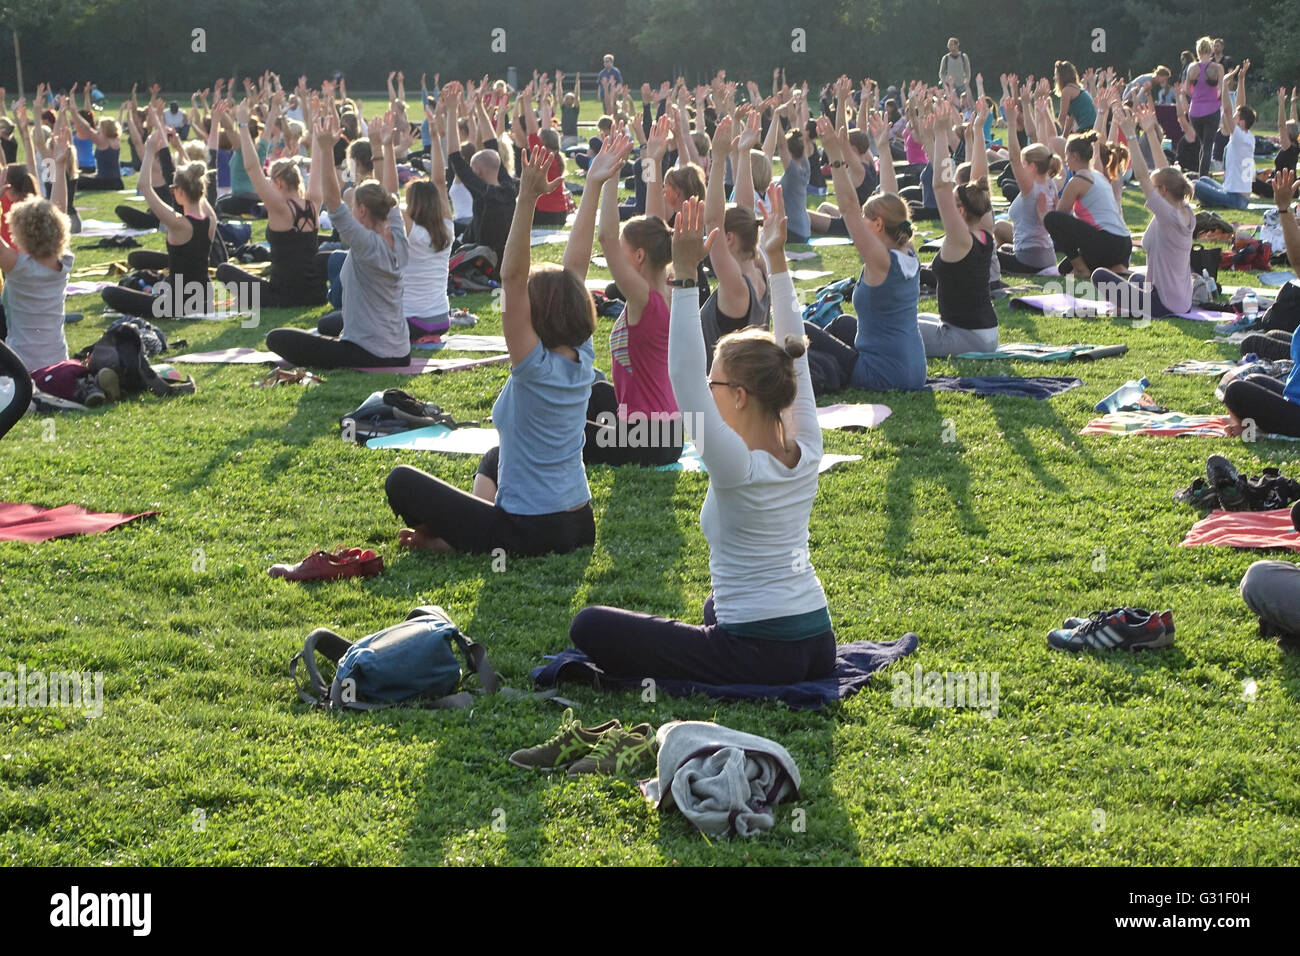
[
  {"x": 1073, "y": 238},
  {"x": 1011, "y": 265},
  {"x": 99, "y": 183},
  {"x": 836, "y": 340},
  {"x": 649, "y": 444},
  {"x": 550, "y": 218},
  {"x": 1271, "y": 346},
  {"x": 1259, "y": 398},
  {"x": 324, "y": 349},
  {"x": 240, "y": 204},
  {"x": 627, "y": 644},
  {"x": 230, "y": 274},
  {"x": 474, "y": 526},
  {"x": 136, "y": 218},
  {"x": 1205, "y": 127},
  {"x": 12, "y": 366}
]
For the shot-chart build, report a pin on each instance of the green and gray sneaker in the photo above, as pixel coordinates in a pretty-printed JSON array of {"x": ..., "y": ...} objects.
[
  {"x": 571, "y": 742},
  {"x": 618, "y": 752}
]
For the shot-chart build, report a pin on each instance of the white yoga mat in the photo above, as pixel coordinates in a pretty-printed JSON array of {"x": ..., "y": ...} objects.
[{"x": 852, "y": 416}]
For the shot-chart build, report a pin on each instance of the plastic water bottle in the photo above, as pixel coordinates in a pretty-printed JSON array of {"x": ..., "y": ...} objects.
[
  {"x": 1126, "y": 394},
  {"x": 1250, "y": 307}
]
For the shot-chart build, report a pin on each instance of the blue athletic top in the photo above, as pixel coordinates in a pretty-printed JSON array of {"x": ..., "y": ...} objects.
[
  {"x": 1292, "y": 390},
  {"x": 541, "y": 416},
  {"x": 891, "y": 354},
  {"x": 85, "y": 152}
]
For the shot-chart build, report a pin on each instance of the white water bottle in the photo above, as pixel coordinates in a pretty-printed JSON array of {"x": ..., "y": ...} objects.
[{"x": 1250, "y": 306}]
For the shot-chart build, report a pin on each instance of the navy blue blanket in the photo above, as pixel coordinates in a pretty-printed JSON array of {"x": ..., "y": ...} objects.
[
  {"x": 854, "y": 665},
  {"x": 1035, "y": 386}
]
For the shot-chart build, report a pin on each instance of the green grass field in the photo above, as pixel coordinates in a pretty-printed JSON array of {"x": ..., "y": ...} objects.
[{"x": 204, "y": 755}]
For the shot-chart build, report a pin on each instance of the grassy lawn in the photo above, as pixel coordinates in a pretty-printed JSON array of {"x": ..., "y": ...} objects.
[{"x": 204, "y": 755}]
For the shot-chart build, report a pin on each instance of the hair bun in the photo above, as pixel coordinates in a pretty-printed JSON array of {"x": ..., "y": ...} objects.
[{"x": 795, "y": 346}]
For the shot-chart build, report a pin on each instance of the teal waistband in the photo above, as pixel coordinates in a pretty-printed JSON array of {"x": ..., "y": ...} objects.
[{"x": 792, "y": 627}]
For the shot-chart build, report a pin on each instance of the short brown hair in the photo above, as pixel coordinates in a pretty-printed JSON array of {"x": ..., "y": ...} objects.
[{"x": 560, "y": 307}]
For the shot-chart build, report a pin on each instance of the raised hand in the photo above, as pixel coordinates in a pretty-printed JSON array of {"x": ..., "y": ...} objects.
[
  {"x": 656, "y": 144},
  {"x": 830, "y": 142},
  {"x": 1284, "y": 188},
  {"x": 723, "y": 141},
  {"x": 774, "y": 223},
  {"x": 690, "y": 245},
  {"x": 534, "y": 180},
  {"x": 752, "y": 133},
  {"x": 614, "y": 151}
]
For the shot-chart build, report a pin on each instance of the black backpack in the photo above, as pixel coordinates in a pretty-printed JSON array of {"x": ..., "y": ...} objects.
[{"x": 121, "y": 349}]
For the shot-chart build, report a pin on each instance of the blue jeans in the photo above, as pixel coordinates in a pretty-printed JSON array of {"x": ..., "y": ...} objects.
[
  {"x": 1210, "y": 193},
  {"x": 334, "y": 267}
]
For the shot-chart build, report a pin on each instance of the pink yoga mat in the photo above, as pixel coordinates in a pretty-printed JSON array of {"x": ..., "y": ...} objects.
[
  {"x": 1245, "y": 529},
  {"x": 432, "y": 366},
  {"x": 34, "y": 523}
]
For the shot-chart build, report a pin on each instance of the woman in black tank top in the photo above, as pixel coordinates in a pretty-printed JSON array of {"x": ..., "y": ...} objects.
[
  {"x": 292, "y": 227},
  {"x": 186, "y": 291},
  {"x": 966, "y": 321}
]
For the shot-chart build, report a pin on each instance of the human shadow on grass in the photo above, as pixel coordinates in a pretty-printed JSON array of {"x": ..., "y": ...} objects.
[
  {"x": 928, "y": 449},
  {"x": 1017, "y": 416}
]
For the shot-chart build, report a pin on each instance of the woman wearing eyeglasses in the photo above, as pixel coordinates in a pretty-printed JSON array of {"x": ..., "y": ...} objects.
[{"x": 754, "y": 420}]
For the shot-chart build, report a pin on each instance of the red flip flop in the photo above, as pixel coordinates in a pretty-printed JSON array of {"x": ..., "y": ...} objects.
[{"x": 322, "y": 565}]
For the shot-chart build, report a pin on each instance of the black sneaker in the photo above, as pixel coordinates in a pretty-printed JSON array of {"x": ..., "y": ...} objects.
[
  {"x": 1129, "y": 629},
  {"x": 1227, "y": 482},
  {"x": 94, "y": 397}
]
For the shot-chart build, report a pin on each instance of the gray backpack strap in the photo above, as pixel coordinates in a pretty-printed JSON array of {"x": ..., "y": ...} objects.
[{"x": 332, "y": 646}]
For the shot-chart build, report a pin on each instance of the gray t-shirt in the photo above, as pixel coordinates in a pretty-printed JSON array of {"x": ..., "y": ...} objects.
[
  {"x": 33, "y": 301},
  {"x": 373, "y": 316}
]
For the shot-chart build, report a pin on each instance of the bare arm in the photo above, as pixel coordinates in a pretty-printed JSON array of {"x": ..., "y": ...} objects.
[
  {"x": 872, "y": 252},
  {"x": 516, "y": 260}
]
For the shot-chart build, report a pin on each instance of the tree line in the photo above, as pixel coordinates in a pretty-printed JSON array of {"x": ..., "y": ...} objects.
[{"x": 186, "y": 46}]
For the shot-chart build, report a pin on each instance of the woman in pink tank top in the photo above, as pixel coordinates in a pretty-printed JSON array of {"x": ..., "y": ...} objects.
[{"x": 1203, "y": 81}]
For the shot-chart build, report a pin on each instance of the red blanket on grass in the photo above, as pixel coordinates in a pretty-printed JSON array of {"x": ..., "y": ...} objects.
[
  {"x": 1245, "y": 529},
  {"x": 34, "y": 523}
]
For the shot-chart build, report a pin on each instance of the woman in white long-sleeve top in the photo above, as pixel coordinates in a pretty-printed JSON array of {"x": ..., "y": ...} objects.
[{"x": 766, "y": 621}]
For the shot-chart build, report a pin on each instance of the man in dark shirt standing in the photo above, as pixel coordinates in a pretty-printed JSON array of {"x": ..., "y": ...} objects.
[
  {"x": 494, "y": 195},
  {"x": 609, "y": 79}
]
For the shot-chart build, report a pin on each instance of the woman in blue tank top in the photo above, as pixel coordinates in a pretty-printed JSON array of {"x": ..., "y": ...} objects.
[{"x": 887, "y": 351}]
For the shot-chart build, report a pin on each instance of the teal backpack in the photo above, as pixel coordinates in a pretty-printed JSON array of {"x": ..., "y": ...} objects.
[{"x": 408, "y": 663}]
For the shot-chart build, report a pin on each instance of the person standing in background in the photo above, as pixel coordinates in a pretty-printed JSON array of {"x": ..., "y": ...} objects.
[{"x": 954, "y": 67}]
